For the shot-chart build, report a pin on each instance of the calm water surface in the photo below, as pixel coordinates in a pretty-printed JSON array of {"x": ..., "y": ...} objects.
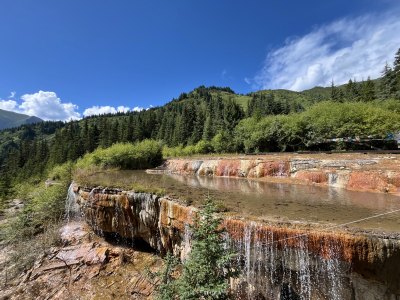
[{"x": 272, "y": 201}]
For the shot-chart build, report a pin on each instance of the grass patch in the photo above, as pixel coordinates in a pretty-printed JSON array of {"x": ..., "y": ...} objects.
[{"x": 35, "y": 228}]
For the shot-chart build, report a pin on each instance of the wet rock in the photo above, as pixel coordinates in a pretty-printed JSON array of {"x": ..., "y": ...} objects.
[
  {"x": 270, "y": 254},
  {"x": 368, "y": 180},
  {"x": 332, "y": 172},
  {"x": 313, "y": 176},
  {"x": 304, "y": 164}
]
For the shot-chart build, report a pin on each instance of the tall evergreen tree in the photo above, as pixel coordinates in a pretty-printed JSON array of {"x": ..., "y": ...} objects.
[
  {"x": 336, "y": 93},
  {"x": 396, "y": 75},
  {"x": 208, "y": 268},
  {"x": 208, "y": 133},
  {"x": 368, "y": 90},
  {"x": 352, "y": 90}
]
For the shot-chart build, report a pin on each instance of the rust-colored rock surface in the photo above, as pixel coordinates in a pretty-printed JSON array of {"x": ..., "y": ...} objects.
[
  {"x": 370, "y": 180},
  {"x": 361, "y": 172},
  {"x": 86, "y": 267},
  {"x": 317, "y": 262}
]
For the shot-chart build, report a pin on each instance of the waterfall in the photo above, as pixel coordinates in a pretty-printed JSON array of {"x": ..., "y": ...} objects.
[
  {"x": 272, "y": 265},
  {"x": 72, "y": 209},
  {"x": 277, "y": 261}
]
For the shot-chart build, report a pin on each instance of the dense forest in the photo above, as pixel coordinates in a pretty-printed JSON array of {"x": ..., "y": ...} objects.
[{"x": 212, "y": 119}]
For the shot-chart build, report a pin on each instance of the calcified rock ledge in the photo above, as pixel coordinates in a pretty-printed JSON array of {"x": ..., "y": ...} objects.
[
  {"x": 277, "y": 260},
  {"x": 354, "y": 172}
]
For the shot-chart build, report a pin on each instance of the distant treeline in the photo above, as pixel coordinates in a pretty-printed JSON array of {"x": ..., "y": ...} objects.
[{"x": 213, "y": 119}]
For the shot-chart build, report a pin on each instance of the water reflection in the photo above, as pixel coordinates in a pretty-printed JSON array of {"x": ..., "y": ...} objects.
[{"x": 276, "y": 201}]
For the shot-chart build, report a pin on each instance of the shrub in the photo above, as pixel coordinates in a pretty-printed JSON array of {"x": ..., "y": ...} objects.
[
  {"x": 315, "y": 126},
  {"x": 202, "y": 147},
  {"x": 141, "y": 155}
]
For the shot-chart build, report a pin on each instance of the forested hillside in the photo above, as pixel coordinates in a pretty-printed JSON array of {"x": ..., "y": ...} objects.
[{"x": 214, "y": 119}]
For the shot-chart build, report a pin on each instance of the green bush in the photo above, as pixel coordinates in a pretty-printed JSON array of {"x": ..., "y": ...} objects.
[
  {"x": 222, "y": 143},
  {"x": 202, "y": 147},
  {"x": 321, "y": 122},
  {"x": 141, "y": 155}
]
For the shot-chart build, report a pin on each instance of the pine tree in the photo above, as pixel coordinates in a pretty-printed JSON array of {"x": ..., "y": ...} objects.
[
  {"x": 387, "y": 78},
  {"x": 352, "y": 91},
  {"x": 396, "y": 75},
  {"x": 207, "y": 270},
  {"x": 396, "y": 63},
  {"x": 208, "y": 129},
  {"x": 368, "y": 90},
  {"x": 335, "y": 94},
  {"x": 5, "y": 184}
]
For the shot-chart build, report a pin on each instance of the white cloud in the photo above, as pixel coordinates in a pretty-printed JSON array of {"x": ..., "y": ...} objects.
[
  {"x": 123, "y": 108},
  {"x": 347, "y": 48},
  {"x": 12, "y": 95},
  {"x": 45, "y": 105},
  {"x": 100, "y": 110},
  {"x": 8, "y": 105},
  {"x": 48, "y": 106},
  {"x": 137, "y": 108}
]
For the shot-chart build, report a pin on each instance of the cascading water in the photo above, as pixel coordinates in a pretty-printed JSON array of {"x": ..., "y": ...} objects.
[
  {"x": 274, "y": 267},
  {"x": 72, "y": 209},
  {"x": 187, "y": 237},
  {"x": 277, "y": 261}
]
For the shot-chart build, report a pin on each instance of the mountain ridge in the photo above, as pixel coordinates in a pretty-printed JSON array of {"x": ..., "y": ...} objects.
[{"x": 9, "y": 119}]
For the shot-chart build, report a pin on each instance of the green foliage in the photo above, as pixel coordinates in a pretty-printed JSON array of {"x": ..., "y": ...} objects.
[
  {"x": 223, "y": 142},
  {"x": 44, "y": 205},
  {"x": 325, "y": 120},
  {"x": 202, "y": 147},
  {"x": 207, "y": 270},
  {"x": 141, "y": 155},
  {"x": 35, "y": 227},
  {"x": 168, "y": 289},
  {"x": 210, "y": 114}
]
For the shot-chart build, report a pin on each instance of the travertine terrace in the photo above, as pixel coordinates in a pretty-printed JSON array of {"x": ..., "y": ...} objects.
[
  {"x": 356, "y": 171},
  {"x": 313, "y": 262}
]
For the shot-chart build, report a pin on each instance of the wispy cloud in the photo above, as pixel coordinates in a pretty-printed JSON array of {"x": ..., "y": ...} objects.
[
  {"x": 347, "y": 48},
  {"x": 45, "y": 105},
  {"x": 224, "y": 73}
]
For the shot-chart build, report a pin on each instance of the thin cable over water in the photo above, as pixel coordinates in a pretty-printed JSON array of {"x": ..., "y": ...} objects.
[{"x": 337, "y": 226}]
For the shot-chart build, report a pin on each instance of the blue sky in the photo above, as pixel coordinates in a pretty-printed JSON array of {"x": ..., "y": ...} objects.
[{"x": 69, "y": 58}]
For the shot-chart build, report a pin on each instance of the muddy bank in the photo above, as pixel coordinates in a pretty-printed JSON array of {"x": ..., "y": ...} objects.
[
  {"x": 315, "y": 262},
  {"x": 360, "y": 172}
]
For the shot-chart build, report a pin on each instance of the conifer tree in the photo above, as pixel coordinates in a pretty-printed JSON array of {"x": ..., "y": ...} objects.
[
  {"x": 368, "y": 90},
  {"x": 334, "y": 92},
  {"x": 208, "y": 129},
  {"x": 207, "y": 270},
  {"x": 396, "y": 75}
]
